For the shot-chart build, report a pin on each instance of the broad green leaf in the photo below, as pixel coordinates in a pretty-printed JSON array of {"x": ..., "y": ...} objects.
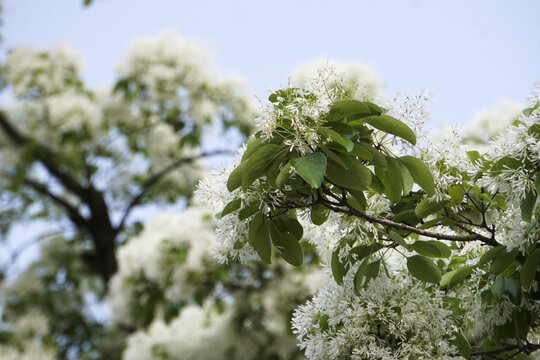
[
  {"x": 432, "y": 248},
  {"x": 527, "y": 206},
  {"x": 258, "y": 163},
  {"x": 529, "y": 268},
  {"x": 328, "y": 133},
  {"x": 284, "y": 175},
  {"x": 408, "y": 181},
  {"x": 392, "y": 180},
  {"x": 361, "y": 251},
  {"x": 462, "y": 344},
  {"x": 509, "y": 287},
  {"x": 341, "y": 159},
  {"x": 231, "y": 206},
  {"x": 397, "y": 238},
  {"x": 502, "y": 261},
  {"x": 491, "y": 254},
  {"x": 294, "y": 228},
  {"x": 537, "y": 183},
  {"x": 259, "y": 238},
  {"x": 273, "y": 171},
  {"x": 319, "y": 214},
  {"x": 338, "y": 268},
  {"x": 356, "y": 178},
  {"x": 340, "y": 127},
  {"x": 361, "y": 151},
  {"x": 350, "y": 109},
  {"x": 365, "y": 273},
  {"x": 454, "y": 277},
  {"x": 473, "y": 156},
  {"x": 427, "y": 207},
  {"x": 253, "y": 145},
  {"x": 357, "y": 200},
  {"x": 377, "y": 158},
  {"x": 249, "y": 210},
  {"x": 311, "y": 168},
  {"x": 505, "y": 163},
  {"x": 288, "y": 247},
  {"x": 457, "y": 193},
  {"x": 420, "y": 173},
  {"x": 235, "y": 179},
  {"x": 423, "y": 269},
  {"x": 392, "y": 126}
]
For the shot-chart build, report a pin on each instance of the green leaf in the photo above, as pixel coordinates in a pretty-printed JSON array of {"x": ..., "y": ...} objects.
[
  {"x": 502, "y": 261},
  {"x": 427, "y": 207},
  {"x": 293, "y": 227},
  {"x": 231, "y": 206},
  {"x": 341, "y": 159},
  {"x": 457, "y": 193},
  {"x": 235, "y": 179},
  {"x": 283, "y": 175},
  {"x": 509, "y": 287},
  {"x": 537, "y": 183},
  {"x": 377, "y": 158},
  {"x": 319, "y": 214},
  {"x": 408, "y": 181},
  {"x": 527, "y": 206},
  {"x": 491, "y": 254},
  {"x": 328, "y": 133},
  {"x": 362, "y": 152},
  {"x": 397, "y": 238},
  {"x": 361, "y": 251},
  {"x": 258, "y": 163},
  {"x": 529, "y": 268},
  {"x": 392, "y": 180},
  {"x": 249, "y": 210},
  {"x": 253, "y": 145},
  {"x": 356, "y": 178},
  {"x": 366, "y": 271},
  {"x": 454, "y": 277},
  {"x": 289, "y": 248},
  {"x": 423, "y": 269},
  {"x": 462, "y": 344},
  {"x": 392, "y": 126},
  {"x": 311, "y": 168},
  {"x": 432, "y": 248},
  {"x": 350, "y": 109},
  {"x": 420, "y": 173},
  {"x": 357, "y": 200},
  {"x": 258, "y": 237},
  {"x": 338, "y": 268}
]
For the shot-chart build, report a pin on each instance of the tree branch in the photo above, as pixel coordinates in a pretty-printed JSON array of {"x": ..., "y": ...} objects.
[
  {"x": 155, "y": 178},
  {"x": 401, "y": 226},
  {"x": 73, "y": 213},
  {"x": 43, "y": 155}
]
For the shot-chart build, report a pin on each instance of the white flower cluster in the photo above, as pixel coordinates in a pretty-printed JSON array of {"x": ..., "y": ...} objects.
[
  {"x": 388, "y": 319},
  {"x": 312, "y": 89},
  {"x": 28, "y": 331},
  {"x": 359, "y": 79},
  {"x": 38, "y": 73},
  {"x": 199, "y": 332},
  {"x": 170, "y": 249},
  {"x": 174, "y": 73},
  {"x": 488, "y": 123},
  {"x": 212, "y": 191}
]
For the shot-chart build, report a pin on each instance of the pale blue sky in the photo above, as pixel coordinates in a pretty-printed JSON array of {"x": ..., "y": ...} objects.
[{"x": 468, "y": 53}]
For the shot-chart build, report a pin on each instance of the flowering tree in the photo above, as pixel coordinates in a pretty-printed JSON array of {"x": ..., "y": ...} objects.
[
  {"x": 91, "y": 158},
  {"x": 433, "y": 248},
  {"x": 85, "y": 160}
]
